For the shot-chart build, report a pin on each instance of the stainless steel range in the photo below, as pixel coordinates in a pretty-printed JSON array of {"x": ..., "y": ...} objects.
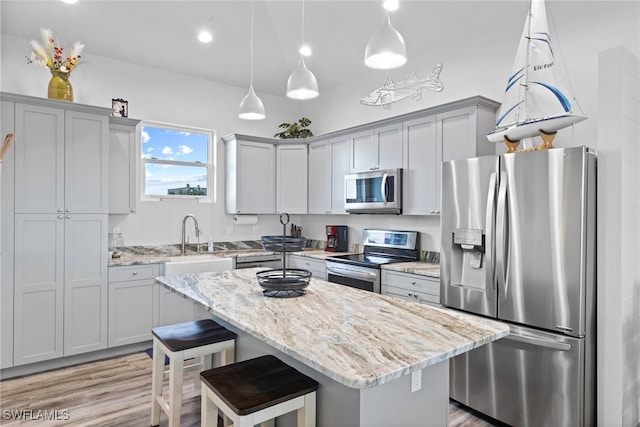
[{"x": 362, "y": 270}]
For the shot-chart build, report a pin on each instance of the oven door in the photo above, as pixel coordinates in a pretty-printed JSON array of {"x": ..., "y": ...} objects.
[{"x": 354, "y": 276}]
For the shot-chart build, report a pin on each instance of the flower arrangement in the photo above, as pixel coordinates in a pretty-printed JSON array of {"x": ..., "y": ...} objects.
[{"x": 53, "y": 56}]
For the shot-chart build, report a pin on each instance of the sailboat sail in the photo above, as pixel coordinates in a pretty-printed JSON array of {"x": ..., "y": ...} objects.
[{"x": 536, "y": 97}]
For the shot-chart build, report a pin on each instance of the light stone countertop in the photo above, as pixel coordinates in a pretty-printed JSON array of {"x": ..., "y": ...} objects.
[
  {"x": 415, "y": 267},
  {"x": 357, "y": 338},
  {"x": 138, "y": 259}
]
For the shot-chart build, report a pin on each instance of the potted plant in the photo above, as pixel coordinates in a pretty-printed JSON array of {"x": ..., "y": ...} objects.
[{"x": 295, "y": 130}]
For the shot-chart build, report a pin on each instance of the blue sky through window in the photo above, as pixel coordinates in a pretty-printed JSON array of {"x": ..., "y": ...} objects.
[{"x": 174, "y": 145}]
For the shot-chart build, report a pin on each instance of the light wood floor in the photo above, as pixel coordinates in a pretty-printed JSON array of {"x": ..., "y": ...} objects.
[{"x": 114, "y": 392}]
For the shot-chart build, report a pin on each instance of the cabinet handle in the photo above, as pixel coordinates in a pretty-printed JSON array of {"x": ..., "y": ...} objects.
[
  {"x": 68, "y": 210},
  {"x": 60, "y": 210},
  {"x": 60, "y": 216},
  {"x": 135, "y": 273},
  {"x": 329, "y": 211},
  {"x": 68, "y": 217},
  {"x": 413, "y": 282}
]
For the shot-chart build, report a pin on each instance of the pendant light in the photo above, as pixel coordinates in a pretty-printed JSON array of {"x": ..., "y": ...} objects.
[
  {"x": 302, "y": 84},
  {"x": 251, "y": 107},
  {"x": 386, "y": 48}
]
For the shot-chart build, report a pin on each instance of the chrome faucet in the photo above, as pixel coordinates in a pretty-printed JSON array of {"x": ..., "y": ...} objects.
[{"x": 198, "y": 231}]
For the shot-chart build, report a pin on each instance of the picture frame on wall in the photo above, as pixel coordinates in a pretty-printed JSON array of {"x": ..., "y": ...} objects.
[{"x": 120, "y": 107}]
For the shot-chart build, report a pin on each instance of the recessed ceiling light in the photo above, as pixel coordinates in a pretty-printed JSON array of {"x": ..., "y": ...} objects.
[
  {"x": 70, "y": 1},
  {"x": 391, "y": 5},
  {"x": 305, "y": 50},
  {"x": 205, "y": 36}
]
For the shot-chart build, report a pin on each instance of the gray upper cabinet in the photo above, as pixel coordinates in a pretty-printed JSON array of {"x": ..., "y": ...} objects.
[
  {"x": 265, "y": 176},
  {"x": 417, "y": 142},
  {"x": 378, "y": 148},
  {"x": 453, "y": 131},
  {"x": 339, "y": 168},
  {"x": 61, "y": 160},
  {"x": 122, "y": 165},
  {"x": 328, "y": 164},
  {"x": 463, "y": 131},
  {"x": 319, "y": 177},
  {"x": 291, "y": 178},
  {"x": 250, "y": 175},
  {"x": 421, "y": 180}
]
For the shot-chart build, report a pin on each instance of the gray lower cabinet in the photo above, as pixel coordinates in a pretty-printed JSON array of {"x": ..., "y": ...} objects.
[
  {"x": 133, "y": 303},
  {"x": 410, "y": 287},
  {"x": 174, "y": 308},
  {"x": 317, "y": 267},
  {"x": 60, "y": 285}
]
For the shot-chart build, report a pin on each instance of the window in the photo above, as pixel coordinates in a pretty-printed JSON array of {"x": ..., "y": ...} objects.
[{"x": 178, "y": 162}]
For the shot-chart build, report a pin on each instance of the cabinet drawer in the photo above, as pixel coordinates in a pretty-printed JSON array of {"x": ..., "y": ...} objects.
[
  {"x": 408, "y": 295},
  {"x": 411, "y": 282},
  {"x": 317, "y": 267},
  {"x": 133, "y": 272}
]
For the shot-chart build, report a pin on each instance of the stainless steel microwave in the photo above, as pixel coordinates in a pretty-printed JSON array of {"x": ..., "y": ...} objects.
[{"x": 377, "y": 191}]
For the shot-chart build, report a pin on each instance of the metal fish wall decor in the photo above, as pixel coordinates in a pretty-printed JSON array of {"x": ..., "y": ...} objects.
[{"x": 411, "y": 86}]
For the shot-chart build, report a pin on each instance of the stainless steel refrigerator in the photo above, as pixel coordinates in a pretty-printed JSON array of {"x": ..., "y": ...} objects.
[{"x": 518, "y": 245}]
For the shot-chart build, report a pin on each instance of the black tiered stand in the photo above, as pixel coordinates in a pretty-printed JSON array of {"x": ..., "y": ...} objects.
[{"x": 284, "y": 282}]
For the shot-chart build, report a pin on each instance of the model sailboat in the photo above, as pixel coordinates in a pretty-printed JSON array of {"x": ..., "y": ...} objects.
[{"x": 536, "y": 101}]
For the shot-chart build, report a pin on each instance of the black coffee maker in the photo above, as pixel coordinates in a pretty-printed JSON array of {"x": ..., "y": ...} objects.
[{"x": 336, "y": 238}]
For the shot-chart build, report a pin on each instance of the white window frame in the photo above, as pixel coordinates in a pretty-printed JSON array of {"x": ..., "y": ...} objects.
[{"x": 211, "y": 164}]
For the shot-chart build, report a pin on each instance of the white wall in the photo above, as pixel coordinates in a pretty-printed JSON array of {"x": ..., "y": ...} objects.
[{"x": 618, "y": 237}]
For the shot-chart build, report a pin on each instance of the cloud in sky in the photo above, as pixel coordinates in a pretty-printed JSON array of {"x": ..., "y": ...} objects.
[
  {"x": 144, "y": 136},
  {"x": 185, "y": 149},
  {"x": 167, "y": 150}
]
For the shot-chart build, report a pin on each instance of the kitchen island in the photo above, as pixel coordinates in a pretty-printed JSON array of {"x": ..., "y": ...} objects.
[{"x": 379, "y": 361}]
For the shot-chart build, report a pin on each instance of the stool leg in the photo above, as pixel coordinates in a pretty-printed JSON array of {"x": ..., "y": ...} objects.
[
  {"x": 227, "y": 356},
  {"x": 176, "y": 374},
  {"x": 208, "y": 410},
  {"x": 307, "y": 414},
  {"x": 269, "y": 423},
  {"x": 207, "y": 363},
  {"x": 156, "y": 382}
]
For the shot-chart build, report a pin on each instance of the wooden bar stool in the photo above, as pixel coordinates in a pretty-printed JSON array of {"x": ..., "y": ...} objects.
[
  {"x": 257, "y": 391},
  {"x": 198, "y": 339}
]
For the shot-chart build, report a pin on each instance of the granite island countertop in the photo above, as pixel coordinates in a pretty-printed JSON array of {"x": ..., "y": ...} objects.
[{"x": 359, "y": 339}]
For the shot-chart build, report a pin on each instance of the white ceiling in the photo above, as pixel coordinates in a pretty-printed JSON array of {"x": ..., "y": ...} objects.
[{"x": 163, "y": 34}]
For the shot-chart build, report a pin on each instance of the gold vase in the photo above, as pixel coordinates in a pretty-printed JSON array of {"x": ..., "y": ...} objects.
[{"x": 60, "y": 87}]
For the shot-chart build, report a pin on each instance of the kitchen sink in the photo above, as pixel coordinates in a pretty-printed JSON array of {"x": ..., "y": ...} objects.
[{"x": 196, "y": 264}]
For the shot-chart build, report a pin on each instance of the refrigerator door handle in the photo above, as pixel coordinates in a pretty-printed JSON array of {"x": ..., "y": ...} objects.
[
  {"x": 540, "y": 342},
  {"x": 501, "y": 243},
  {"x": 490, "y": 220}
]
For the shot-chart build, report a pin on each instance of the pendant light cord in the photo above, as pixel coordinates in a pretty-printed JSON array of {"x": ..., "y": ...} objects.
[
  {"x": 251, "y": 45},
  {"x": 302, "y": 30}
]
